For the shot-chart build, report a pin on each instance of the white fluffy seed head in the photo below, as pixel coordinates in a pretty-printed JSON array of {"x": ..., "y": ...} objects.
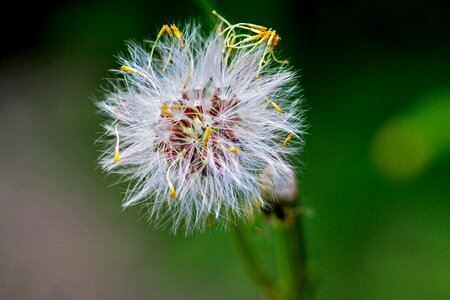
[{"x": 192, "y": 122}]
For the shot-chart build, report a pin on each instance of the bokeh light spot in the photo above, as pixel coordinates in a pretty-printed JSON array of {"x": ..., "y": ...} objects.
[{"x": 399, "y": 151}]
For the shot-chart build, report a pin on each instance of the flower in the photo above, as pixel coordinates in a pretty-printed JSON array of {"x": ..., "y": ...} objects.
[{"x": 193, "y": 122}]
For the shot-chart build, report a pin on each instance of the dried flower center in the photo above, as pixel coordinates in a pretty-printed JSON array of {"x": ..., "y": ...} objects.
[{"x": 200, "y": 130}]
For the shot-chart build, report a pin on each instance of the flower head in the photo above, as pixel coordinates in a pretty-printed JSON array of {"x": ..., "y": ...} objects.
[{"x": 194, "y": 121}]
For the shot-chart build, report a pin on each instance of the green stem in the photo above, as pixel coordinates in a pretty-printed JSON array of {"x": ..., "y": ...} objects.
[
  {"x": 291, "y": 255},
  {"x": 253, "y": 263}
]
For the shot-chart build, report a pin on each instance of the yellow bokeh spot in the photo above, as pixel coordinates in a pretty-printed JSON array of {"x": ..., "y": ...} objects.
[{"x": 399, "y": 150}]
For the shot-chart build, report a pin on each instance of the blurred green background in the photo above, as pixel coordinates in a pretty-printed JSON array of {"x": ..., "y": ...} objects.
[{"x": 375, "y": 172}]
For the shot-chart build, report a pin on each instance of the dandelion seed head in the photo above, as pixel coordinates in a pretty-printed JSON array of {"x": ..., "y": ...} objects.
[{"x": 192, "y": 121}]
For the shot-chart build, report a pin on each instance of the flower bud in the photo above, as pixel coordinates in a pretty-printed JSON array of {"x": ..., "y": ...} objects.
[{"x": 278, "y": 188}]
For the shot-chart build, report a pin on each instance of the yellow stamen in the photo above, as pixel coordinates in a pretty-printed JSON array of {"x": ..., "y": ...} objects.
[
  {"x": 274, "y": 39},
  {"x": 116, "y": 156},
  {"x": 257, "y": 27},
  {"x": 135, "y": 71},
  {"x": 289, "y": 136},
  {"x": 128, "y": 69},
  {"x": 234, "y": 149},
  {"x": 165, "y": 110},
  {"x": 276, "y": 107},
  {"x": 210, "y": 222},
  {"x": 206, "y": 136},
  {"x": 172, "y": 191},
  {"x": 116, "y": 151},
  {"x": 252, "y": 38},
  {"x": 267, "y": 35},
  {"x": 165, "y": 28},
  {"x": 177, "y": 33}
]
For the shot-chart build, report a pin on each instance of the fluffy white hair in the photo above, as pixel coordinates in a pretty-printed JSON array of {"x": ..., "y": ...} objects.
[{"x": 191, "y": 127}]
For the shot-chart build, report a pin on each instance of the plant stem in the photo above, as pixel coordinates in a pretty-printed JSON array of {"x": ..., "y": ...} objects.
[
  {"x": 291, "y": 255},
  {"x": 253, "y": 263}
]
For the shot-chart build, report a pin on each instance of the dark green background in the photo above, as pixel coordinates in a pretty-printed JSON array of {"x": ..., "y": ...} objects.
[{"x": 374, "y": 178}]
